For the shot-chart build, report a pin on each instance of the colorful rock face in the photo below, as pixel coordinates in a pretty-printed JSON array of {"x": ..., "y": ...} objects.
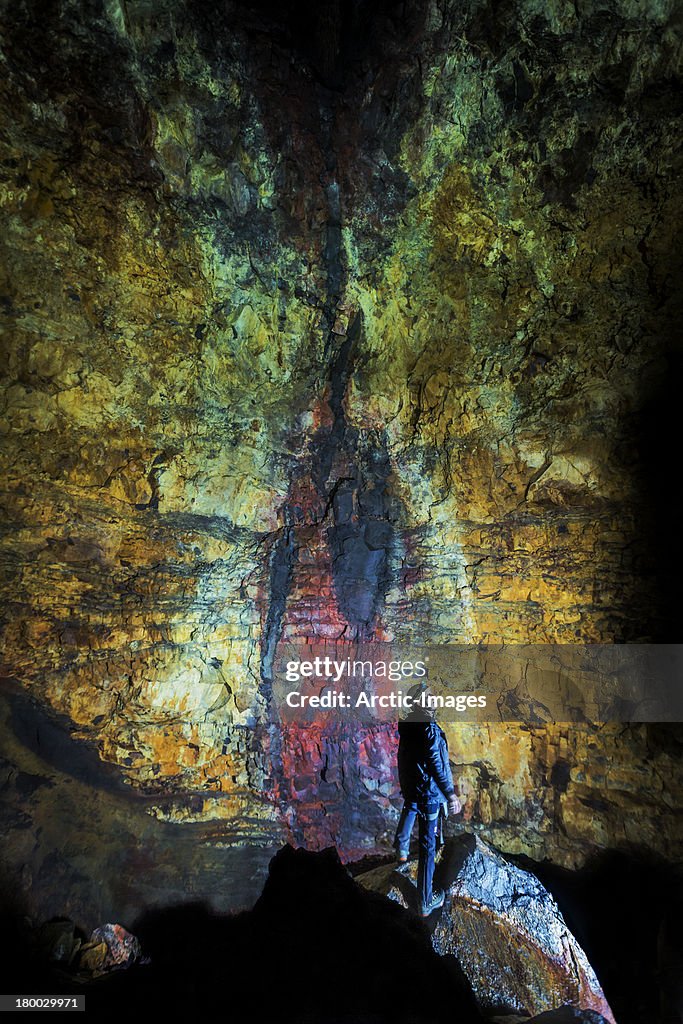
[{"x": 321, "y": 327}]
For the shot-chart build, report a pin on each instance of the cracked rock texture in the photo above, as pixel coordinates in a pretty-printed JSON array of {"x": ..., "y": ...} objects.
[
  {"x": 505, "y": 930},
  {"x": 343, "y": 320}
]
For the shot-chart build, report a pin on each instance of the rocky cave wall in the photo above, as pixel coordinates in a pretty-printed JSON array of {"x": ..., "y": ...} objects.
[{"x": 350, "y": 320}]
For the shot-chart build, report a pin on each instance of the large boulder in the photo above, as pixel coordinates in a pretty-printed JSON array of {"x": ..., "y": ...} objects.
[
  {"x": 504, "y": 928},
  {"x": 567, "y": 1015},
  {"x": 562, "y": 1015}
]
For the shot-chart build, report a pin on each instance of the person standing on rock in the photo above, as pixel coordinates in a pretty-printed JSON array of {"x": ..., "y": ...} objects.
[{"x": 427, "y": 786}]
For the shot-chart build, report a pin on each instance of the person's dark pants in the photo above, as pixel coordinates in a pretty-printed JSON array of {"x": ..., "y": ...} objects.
[
  {"x": 428, "y": 831},
  {"x": 405, "y": 828},
  {"x": 428, "y": 819}
]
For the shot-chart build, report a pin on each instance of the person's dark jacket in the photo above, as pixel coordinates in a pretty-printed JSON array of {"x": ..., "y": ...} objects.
[{"x": 424, "y": 772}]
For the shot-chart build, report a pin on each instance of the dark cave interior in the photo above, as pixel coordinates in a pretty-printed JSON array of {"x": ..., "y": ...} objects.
[{"x": 355, "y": 321}]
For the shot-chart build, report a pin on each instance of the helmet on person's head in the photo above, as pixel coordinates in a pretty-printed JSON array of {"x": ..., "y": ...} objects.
[
  {"x": 420, "y": 709},
  {"x": 415, "y": 692}
]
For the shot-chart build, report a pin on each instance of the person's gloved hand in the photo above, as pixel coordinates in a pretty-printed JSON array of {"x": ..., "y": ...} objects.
[{"x": 454, "y": 805}]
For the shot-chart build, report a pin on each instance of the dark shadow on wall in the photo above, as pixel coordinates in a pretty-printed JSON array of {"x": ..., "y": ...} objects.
[
  {"x": 625, "y": 909},
  {"x": 330, "y": 36},
  {"x": 658, "y": 559},
  {"x": 315, "y": 949}
]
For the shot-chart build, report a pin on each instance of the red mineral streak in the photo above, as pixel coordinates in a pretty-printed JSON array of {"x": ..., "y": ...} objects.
[
  {"x": 327, "y": 767},
  {"x": 323, "y": 418},
  {"x": 304, "y": 504}
]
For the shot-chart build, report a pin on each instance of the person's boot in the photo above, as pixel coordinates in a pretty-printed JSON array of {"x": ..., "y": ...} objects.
[
  {"x": 435, "y": 902},
  {"x": 401, "y": 855}
]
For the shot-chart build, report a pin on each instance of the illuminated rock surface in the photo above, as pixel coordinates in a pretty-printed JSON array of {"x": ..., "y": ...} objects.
[
  {"x": 565, "y": 1015},
  {"x": 313, "y": 328},
  {"x": 505, "y": 930}
]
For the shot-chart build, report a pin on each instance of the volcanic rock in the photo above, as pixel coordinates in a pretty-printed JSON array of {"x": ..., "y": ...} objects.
[
  {"x": 314, "y": 330},
  {"x": 505, "y": 930}
]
